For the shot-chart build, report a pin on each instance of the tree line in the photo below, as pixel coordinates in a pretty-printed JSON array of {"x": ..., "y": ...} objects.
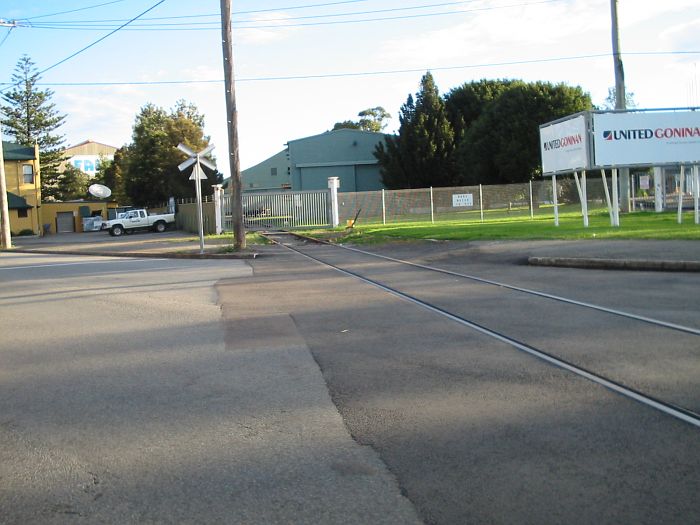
[
  {"x": 142, "y": 172},
  {"x": 482, "y": 132}
]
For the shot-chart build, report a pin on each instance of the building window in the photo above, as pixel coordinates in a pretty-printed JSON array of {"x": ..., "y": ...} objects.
[
  {"x": 28, "y": 172},
  {"x": 273, "y": 172},
  {"x": 22, "y": 213}
]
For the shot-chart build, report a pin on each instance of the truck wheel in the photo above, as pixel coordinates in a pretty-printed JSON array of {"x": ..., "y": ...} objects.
[
  {"x": 159, "y": 226},
  {"x": 116, "y": 231}
]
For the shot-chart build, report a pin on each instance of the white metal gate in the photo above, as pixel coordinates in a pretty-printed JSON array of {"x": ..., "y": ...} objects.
[{"x": 289, "y": 209}]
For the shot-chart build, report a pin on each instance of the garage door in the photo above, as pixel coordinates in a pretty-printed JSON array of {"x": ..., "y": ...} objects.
[{"x": 65, "y": 222}]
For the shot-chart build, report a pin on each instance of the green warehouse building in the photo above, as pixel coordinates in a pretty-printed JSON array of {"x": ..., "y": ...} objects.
[{"x": 307, "y": 163}]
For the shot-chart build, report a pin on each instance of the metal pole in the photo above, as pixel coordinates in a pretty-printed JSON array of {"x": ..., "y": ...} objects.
[
  {"x": 383, "y": 208},
  {"x": 696, "y": 187},
  {"x": 200, "y": 218},
  {"x": 615, "y": 201},
  {"x": 554, "y": 200},
  {"x": 432, "y": 210},
  {"x": 232, "y": 122},
  {"x": 532, "y": 209},
  {"x": 607, "y": 198},
  {"x": 680, "y": 194},
  {"x": 481, "y": 203},
  {"x": 5, "y": 234},
  {"x": 584, "y": 197}
]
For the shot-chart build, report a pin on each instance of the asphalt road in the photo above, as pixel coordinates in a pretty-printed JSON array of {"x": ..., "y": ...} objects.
[
  {"x": 478, "y": 432},
  {"x": 173, "y": 391},
  {"x": 127, "y": 396}
]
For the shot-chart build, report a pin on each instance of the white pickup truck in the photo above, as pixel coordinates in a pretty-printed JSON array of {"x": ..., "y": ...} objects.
[{"x": 138, "y": 219}]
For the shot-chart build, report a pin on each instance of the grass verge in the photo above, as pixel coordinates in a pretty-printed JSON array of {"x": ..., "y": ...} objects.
[{"x": 639, "y": 225}]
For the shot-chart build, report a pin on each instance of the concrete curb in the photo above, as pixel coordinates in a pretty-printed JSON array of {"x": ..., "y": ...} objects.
[
  {"x": 616, "y": 264},
  {"x": 156, "y": 255}
]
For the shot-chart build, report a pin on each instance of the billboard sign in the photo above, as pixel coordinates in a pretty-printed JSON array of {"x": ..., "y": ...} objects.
[
  {"x": 628, "y": 139},
  {"x": 564, "y": 145}
]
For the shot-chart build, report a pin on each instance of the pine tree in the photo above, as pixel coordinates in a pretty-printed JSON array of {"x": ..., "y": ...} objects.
[
  {"x": 422, "y": 154},
  {"x": 29, "y": 117}
]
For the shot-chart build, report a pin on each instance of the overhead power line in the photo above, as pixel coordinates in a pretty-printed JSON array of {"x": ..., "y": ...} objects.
[
  {"x": 94, "y": 43},
  {"x": 368, "y": 73},
  {"x": 102, "y": 38},
  {"x": 60, "y": 23},
  {"x": 74, "y": 10},
  {"x": 263, "y": 24}
]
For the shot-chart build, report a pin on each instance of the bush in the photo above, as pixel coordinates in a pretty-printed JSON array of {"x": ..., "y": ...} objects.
[{"x": 25, "y": 232}]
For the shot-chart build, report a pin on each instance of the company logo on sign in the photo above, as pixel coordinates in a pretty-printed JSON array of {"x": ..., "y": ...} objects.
[
  {"x": 564, "y": 142},
  {"x": 646, "y": 134}
]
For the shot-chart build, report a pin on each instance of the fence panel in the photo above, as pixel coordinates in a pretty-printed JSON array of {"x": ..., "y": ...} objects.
[{"x": 299, "y": 209}]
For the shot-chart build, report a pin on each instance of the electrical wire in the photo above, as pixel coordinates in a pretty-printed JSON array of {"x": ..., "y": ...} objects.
[
  {"x": 74, "y": 10},
  {"x": 260, "y": 24},
  {"x": 369, "y": 73},
  {"x": 101, "y": 39},
  {"x": 332, "y": 15},
  {"x": 89, "y": 45}
]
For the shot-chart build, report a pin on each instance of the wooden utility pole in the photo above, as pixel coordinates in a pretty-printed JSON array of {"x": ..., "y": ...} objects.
[
  {"x": 232, "y": 121},
  {"x": 5, "y": 235},
  {"x": 620, "y": 100}
]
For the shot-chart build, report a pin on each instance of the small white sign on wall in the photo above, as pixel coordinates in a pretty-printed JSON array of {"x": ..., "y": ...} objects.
[{"x": 462, "y": 199}]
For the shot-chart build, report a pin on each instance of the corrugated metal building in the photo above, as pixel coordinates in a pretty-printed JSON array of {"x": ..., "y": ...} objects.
[{"x": 307, "y": 163}]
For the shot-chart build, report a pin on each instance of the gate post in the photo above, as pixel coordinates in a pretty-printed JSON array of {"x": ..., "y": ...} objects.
[
  {"x": 333, "y": 185},
  {"x": 218, "y": 209}
]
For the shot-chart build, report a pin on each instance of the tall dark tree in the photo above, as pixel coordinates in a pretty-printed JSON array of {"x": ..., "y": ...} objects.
[
  {"x": 502, "y": 145},
  {"x": 422, "y": 154},
  {"x": 29, "y": 117},
  {"x": 466, "y": 103},
  {"x": 151, "y": 174}
]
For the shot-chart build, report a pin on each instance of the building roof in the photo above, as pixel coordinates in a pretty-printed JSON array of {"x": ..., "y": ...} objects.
[
  {"x": 14, "y": 151},
  {"x": 15, "y": 202},
  {"x": 340, "y": 131},
  {"x": 88, "y": 141}
]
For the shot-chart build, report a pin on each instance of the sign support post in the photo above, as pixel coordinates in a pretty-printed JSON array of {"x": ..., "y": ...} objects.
[
  {"x": 696, "y": 187},
  {"x": 554, "y": 200},
  {"x": 681, "y": 183},
  {"x": 197, "y": 176}
]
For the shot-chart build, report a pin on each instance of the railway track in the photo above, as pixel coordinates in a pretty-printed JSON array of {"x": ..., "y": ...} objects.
[{"x": 372, "y": 269}]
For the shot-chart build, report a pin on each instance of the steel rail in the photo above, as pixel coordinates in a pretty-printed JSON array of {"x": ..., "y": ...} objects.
[
  {"x": 613, "y": 311},
  {"x": 670, "y": 409}
]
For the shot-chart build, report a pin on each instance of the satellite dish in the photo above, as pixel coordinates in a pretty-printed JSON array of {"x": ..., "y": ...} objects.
[{"x": 100, "y": 191}]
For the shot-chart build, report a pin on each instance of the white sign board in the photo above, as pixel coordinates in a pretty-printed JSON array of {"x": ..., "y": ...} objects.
[
  {"x": 462, "y": 199},
  {"x": 646, "y": 138},
  {"x": 564, "y": 145}
]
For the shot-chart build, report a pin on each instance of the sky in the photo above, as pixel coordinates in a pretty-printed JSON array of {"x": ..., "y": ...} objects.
[{"x": 303, "y": 65}]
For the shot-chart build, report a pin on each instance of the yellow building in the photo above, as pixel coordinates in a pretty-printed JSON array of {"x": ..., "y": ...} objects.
[
  {"x": 70, "y": 216},
  {"x": 23, "y": 182}
]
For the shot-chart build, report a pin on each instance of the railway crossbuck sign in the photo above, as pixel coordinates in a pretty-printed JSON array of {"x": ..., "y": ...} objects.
[{"x": 197, "y": 176}]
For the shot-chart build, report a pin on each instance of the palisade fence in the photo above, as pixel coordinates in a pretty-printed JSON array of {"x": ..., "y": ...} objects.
[{"x": 290, "y": 210}]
